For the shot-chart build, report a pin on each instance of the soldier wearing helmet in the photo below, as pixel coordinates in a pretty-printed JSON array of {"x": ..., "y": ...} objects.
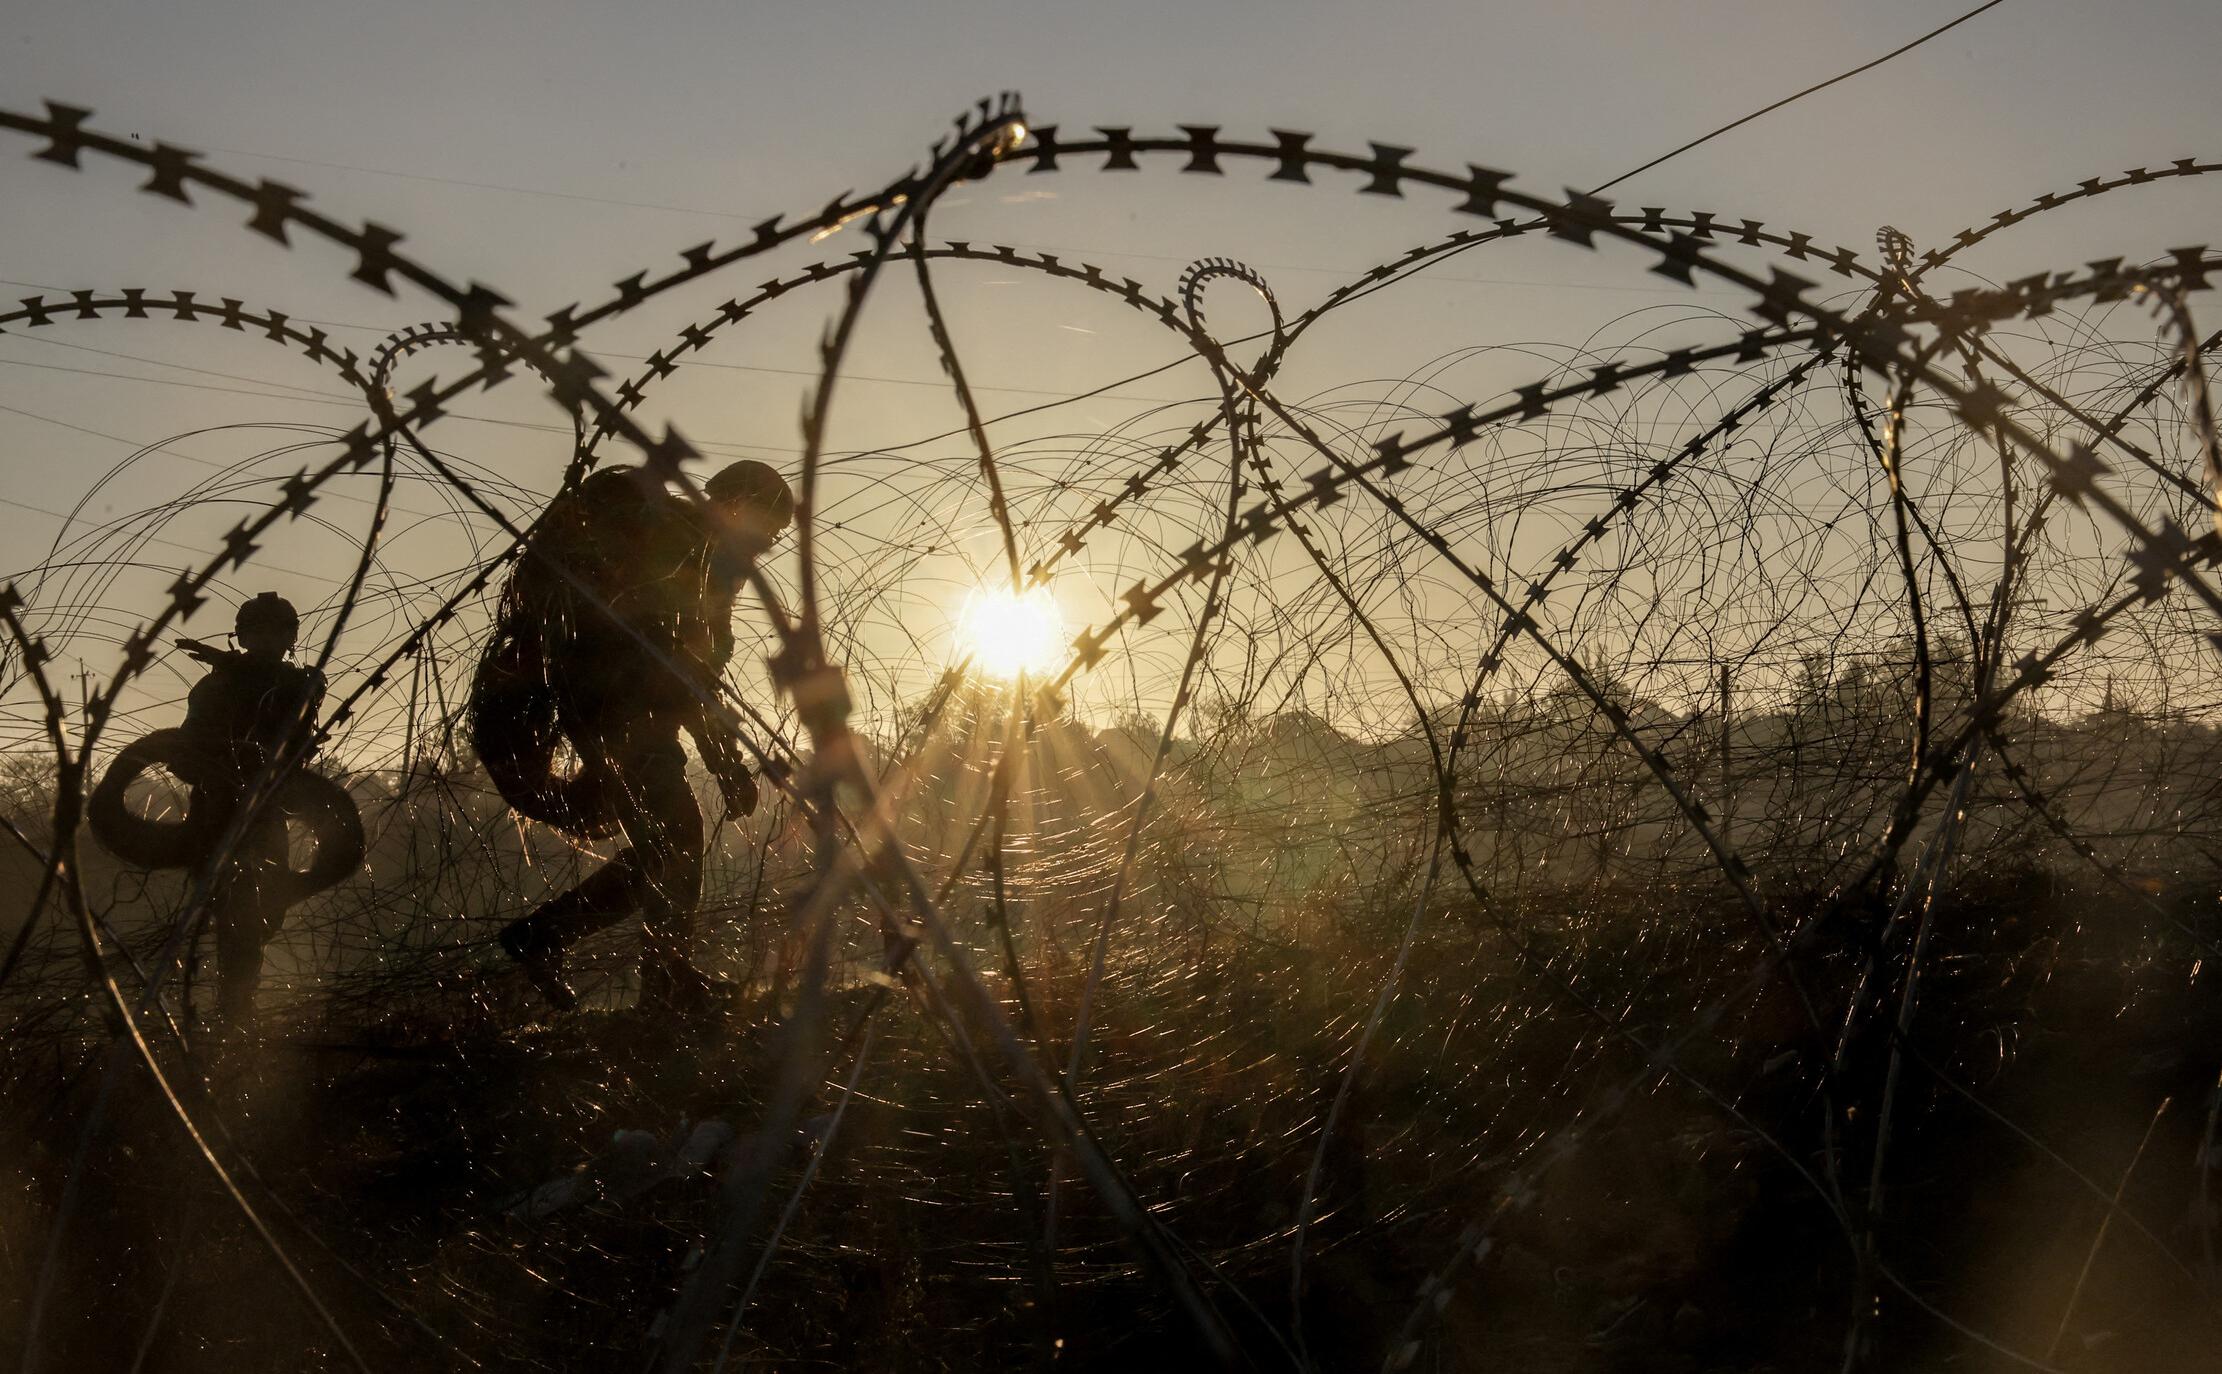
[
  {"x": 238, "y": 720},
  {"x": 627, "y": 598}
]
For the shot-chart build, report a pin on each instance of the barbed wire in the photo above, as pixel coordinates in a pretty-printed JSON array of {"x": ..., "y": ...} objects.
[{"x": 1141, "y": 971}]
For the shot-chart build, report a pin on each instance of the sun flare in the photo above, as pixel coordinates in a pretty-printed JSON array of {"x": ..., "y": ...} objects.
[{"x": 1008, "y": 634}]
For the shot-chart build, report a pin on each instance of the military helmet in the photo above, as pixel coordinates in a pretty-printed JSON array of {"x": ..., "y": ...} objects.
[
  {"x": 268, "y": 611},
  {"x": 758, "y": 488}
]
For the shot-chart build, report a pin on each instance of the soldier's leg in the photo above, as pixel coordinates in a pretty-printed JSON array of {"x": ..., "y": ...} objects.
[
  {"x": 235, "y": 912},
  {"x": 622, "y": 885},
  {"x": 608, "y": 893},
  {"x": 670, "y": 844},
  {"x": 245, "y": 918},
  {"x": 604, "y": 898}
]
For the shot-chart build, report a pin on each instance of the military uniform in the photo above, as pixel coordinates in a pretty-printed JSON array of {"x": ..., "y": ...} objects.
[
  {"x": 627, "y": 680},
  {"x": 236, "y": 721}
]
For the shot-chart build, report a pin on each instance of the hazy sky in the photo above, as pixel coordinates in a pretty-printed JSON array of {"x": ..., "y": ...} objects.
[
  {"x": 717, "y": 105},
  {"x": 552, "y": 148}
]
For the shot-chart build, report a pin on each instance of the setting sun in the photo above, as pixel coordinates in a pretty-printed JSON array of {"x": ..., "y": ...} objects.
[{"x": 1008, "y": 634}]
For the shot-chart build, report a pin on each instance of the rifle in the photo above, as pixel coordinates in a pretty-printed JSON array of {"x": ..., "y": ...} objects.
[{"x": 215, "y": 656}]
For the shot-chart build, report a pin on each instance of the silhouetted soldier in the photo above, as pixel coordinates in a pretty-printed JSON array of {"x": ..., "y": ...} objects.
[
  {"x": 237, "y": 721},
  {"x": 626, "y": 600}
]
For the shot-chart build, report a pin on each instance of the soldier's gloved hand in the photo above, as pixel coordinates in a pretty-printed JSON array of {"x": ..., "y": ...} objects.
[{"x": 738, "y": 789}]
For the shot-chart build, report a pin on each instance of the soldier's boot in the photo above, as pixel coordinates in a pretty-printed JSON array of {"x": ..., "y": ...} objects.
[{"x": 540, "y": 959}]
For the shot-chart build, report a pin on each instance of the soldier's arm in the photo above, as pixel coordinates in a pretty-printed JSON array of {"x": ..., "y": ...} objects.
[
  {"x": 724, "y": 755},
  {"x": 312, "y": 706}
]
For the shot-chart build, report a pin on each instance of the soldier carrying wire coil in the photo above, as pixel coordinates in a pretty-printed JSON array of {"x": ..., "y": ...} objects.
[
  {"x": 239, "y": 721},
  {"x": 610, "y": 640}
]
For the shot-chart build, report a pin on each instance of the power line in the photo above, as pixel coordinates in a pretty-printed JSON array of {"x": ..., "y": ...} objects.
[
  {"x": 1820, "y": 86},
  {"x": 180, "y": 367},
  {"x": 197, "y": 552},
  {"x": 314, "y": 397},
  {"x": 1734, "y": 124},
  {"x": 164, "y": 449}
]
